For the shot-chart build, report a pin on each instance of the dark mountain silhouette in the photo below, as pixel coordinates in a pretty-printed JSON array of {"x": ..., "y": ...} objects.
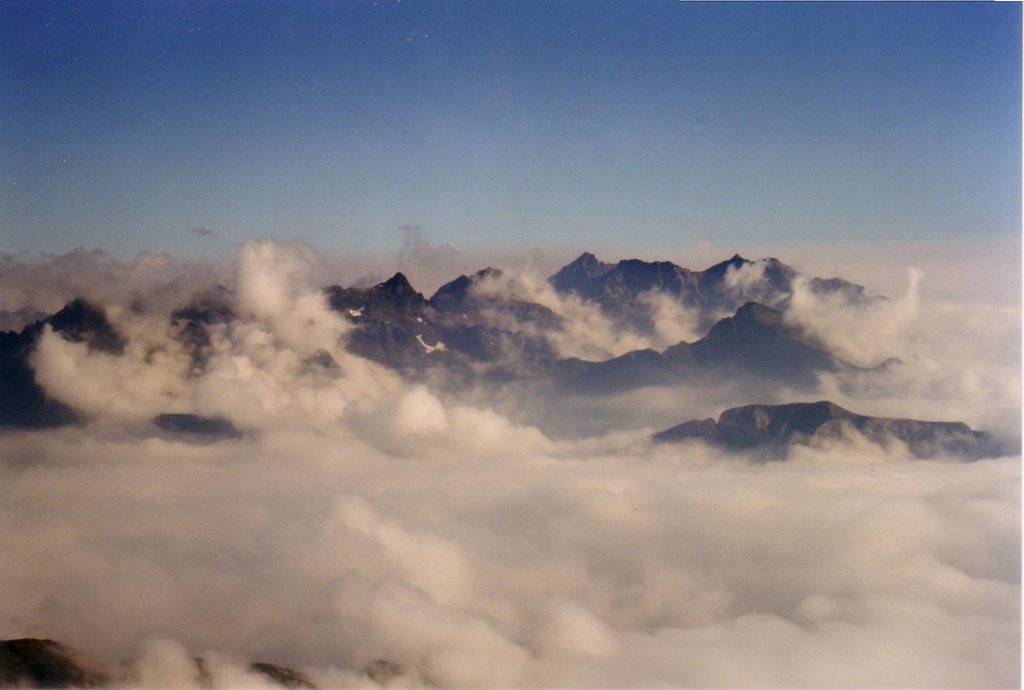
[
  {"x": 390, "y": 323},
  {"x": 772, "y": 428},
  {"x": 23, "y": 403},
  {"x": 195, "y": 320},
  {"x": 282, "y": 675},
  {"x": 456, "y": 296},
  {"x": 80, "y": 322},
  {"x": 754, "y": 342},
  {"x": 33, "y": 663},
  {"x": 619, "y": 288},
  {"x": 455, "y": 329},
  {"x": 211, "y": 427},
  {"x": 463, "y": 301},
  {"x": 581, "y": 273},
  {"x": 625, "y": 281},
  {"x": 39, "y": 663},
  {"x": 471, "y": 331},
  {"x": 397, "y": 326}
]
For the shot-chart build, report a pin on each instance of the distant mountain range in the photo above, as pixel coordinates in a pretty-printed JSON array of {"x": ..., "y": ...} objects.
[
  {"x": 472, "y": 333},
  {"x": 463, "y": 328}
]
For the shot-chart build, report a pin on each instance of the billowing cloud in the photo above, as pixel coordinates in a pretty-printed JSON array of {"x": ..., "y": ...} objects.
[
  {"x": 425, "y": 261},
  {"x": 534, "y": 569},
  {"x": 864, "y": 334},
  {"x": 587, "y": 332},
  {"x": 50, "y": 282},
  {"x": 367, "y": 527}
]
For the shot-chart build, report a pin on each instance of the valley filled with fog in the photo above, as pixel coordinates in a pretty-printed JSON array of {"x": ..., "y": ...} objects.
[{"x": 274, "y": 459}]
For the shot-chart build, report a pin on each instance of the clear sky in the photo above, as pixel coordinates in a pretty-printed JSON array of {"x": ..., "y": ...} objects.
[{"x": 186, "y": 127}]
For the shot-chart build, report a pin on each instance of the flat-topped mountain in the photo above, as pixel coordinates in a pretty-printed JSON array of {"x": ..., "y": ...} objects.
[{"x": 774, "y": 427}]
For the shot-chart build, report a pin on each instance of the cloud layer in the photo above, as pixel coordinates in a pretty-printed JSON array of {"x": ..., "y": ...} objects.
[{"x": 362, "y": 517}]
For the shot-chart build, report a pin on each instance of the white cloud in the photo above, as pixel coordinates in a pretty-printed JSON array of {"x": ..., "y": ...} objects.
[
  {"x": 863, "y": 334},
  {"x": 587, "y": 332},
  {"x": 368, "y": 518}
]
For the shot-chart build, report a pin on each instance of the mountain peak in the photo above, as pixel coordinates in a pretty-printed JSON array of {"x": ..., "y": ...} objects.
[
  {"x": 81, "y": 322},
  {"x": 589, "y": 265},
  {"x": 573, "y": 277},
  {"x": 758, "y": 313},
  {"x": 396, "y": 283},
  {"x": 452, "y": 296}
]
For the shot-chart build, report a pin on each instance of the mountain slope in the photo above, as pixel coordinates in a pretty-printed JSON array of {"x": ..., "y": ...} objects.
[{"x": 754, "y": 342}]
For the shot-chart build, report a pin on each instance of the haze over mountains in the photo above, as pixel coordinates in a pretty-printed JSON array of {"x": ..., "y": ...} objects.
[{"x": 620, "y": 474}]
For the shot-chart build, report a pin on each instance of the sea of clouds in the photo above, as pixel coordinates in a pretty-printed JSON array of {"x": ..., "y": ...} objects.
[{"x": 487, "y": 539}]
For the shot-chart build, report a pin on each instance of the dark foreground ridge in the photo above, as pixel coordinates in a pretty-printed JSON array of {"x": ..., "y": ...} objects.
[
  {"x": 39, "y": 663},
  {"x": 31, "y": 663},
  {"x": 773, "y": 428}
]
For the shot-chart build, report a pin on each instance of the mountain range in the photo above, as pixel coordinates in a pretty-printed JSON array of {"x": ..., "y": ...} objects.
[
  {"x": 476, "y": 330},
  {"x": 465, "y": 326}
]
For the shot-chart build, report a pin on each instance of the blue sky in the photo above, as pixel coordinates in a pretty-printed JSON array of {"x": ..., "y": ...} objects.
[{"x": 649, "y": 125}]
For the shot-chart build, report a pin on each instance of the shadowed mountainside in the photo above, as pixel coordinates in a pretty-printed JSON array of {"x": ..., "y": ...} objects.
[{"x": 23, "y": 403}]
